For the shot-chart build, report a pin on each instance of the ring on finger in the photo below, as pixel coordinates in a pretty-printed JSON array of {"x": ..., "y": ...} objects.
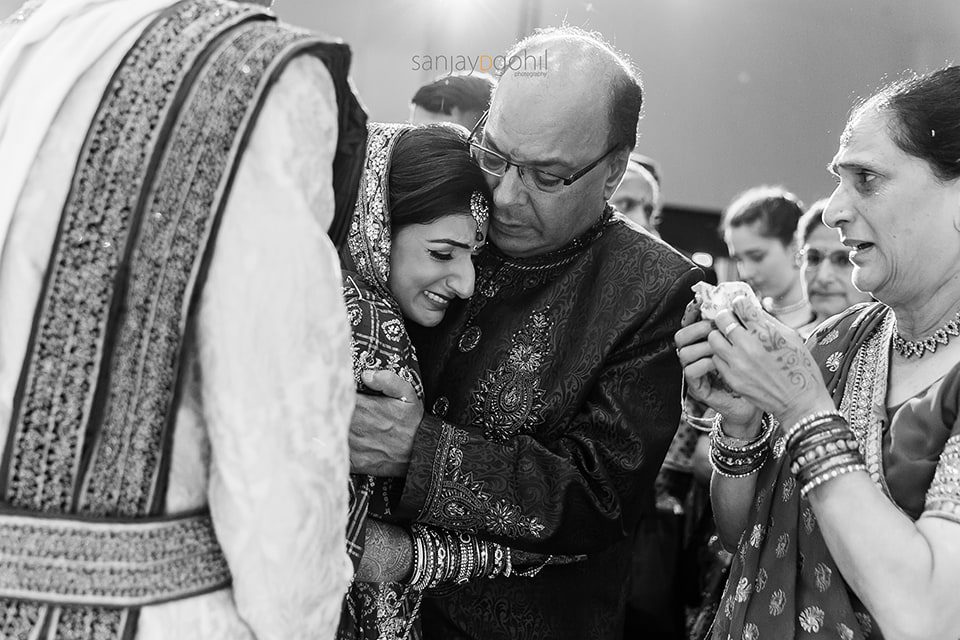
[{"x": 729, "y": 329}]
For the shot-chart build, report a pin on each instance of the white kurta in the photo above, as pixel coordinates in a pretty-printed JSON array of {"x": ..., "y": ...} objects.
[{"x": 261, "y": 433}]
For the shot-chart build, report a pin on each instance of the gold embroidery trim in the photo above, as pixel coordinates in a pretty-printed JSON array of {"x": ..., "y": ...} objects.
[
  {"x": 943, "y": 496},
  {"x": 64, "y": 561},
  {"x": 508, "y": 401},
  {"x": 47, "y": 438},
  {"x": 866, "y": 390},
  {"x": 457, "y": 501}
]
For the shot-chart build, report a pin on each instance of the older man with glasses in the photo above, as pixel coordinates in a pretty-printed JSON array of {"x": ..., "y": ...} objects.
[{"x": 553, "y": 393}]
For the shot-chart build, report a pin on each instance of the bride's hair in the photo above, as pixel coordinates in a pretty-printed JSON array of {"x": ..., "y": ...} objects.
[{"x": 432, "y": 175}]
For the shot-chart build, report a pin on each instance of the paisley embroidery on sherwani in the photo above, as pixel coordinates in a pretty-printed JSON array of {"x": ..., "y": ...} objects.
[
  {"x": 509, "y": 399},
  {"x": 459, "y": 501}
]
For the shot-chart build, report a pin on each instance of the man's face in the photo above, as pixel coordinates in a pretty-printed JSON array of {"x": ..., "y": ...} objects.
[
  {"x": 638, "y": 200},
  {"x": 552, "y": 126}
]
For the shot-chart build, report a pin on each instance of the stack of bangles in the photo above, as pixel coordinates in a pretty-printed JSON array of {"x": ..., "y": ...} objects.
[
  {"x": 822, "y": 447},
  {"x": 441, "y": 557},
  {"x": 736, "y": 458}
]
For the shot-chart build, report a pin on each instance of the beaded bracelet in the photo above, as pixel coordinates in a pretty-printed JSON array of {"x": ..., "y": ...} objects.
[
  {"x": 762, "y": 440},
  {"x": 416, "y": 573},
  {"x": 504, "y": 563},
  {"x": 810, "y": 421},
  {"x": 442, "y": 557},
  {"x": 828, "y": 440},
  {"x": 739, "y": 460},
  {"x": 533, "y": 571},
  {"x": 822, "y": 447},
  {"x": 467, "y": 559},
  {"x": 743, "y": 467},
  {"x": 422, "y": 572},
  {"x": 825, "y": 476}
]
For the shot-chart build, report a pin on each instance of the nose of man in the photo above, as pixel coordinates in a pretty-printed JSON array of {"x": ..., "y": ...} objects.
[{"x": 509, "y": 189}]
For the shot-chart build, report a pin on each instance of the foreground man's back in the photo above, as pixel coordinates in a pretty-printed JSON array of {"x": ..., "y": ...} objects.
[{"x": 174, "y": 355}]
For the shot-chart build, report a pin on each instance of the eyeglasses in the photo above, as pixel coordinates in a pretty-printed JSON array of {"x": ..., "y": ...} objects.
[
  {"x": 496, "y": 164},
  {"x": 813, "y": 257}
]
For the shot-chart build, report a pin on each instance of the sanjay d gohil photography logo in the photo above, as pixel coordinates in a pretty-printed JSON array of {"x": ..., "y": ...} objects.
[{"x": 521, "y": 63}]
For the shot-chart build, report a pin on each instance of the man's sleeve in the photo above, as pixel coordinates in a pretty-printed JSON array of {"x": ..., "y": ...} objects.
[
  {"x": 275, "y": 369},
  {"x": 580, "y": 491}
]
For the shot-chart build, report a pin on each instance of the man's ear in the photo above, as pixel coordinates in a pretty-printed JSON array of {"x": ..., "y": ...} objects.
[{"x": 616, "y": 167}]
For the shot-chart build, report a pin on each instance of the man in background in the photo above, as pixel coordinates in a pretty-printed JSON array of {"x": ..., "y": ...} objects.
[
  {"x": 638, "y": 196},
  {"x": 460, "y": 97}
]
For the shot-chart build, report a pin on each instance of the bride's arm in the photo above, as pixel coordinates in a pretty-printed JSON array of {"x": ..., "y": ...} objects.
[{"x": 387, "y": 553}]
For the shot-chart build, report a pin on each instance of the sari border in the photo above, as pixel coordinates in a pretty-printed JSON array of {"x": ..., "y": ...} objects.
[
  {"x": 866, "y": 390},
  {"x": 943, "y": 496}
]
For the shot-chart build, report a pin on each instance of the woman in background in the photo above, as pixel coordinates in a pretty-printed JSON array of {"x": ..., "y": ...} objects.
[
  {"x": 825, "y": 263},
  {"x": 759, "y": 228}
]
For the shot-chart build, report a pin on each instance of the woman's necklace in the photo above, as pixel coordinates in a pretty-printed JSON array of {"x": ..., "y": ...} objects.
[
  {"x": 918, "y": 348},
  {"x": 786, "y": 309}
]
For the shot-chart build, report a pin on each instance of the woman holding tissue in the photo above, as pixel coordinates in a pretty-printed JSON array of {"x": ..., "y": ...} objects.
[{"x": 838, "y": 468}]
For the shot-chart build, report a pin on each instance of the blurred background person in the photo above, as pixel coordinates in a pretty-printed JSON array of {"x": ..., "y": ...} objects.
[
  {"x": 826, "y": 266},
  {"x": 759, "y": 229},
  {"x": 647, "y": 163},
  {"x": 638, "y": 197},
  {"x": 458, "y": 97}
]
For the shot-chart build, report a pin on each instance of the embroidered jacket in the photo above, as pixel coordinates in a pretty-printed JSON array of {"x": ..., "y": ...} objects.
[{"x": 554, "y": 395}]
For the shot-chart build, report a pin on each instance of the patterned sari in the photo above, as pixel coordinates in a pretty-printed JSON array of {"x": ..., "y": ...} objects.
[{"x": 784, "y": 582}]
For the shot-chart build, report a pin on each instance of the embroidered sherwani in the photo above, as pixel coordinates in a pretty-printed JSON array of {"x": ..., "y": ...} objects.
[
  {"x": 554, "y": 393},
  {"x": 175, "y": 383}
]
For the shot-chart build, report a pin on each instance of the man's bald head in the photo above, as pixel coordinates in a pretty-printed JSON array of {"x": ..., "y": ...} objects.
[{"x": 585, "y": 63}]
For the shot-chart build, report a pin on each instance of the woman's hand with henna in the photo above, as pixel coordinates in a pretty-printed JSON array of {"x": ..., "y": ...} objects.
[
  {"x": 702, "y": 381},
  {"x": 767, "y": 363}
]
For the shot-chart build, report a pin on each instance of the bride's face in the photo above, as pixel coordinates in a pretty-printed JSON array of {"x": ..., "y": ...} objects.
[{"x": 431, "y": 264}]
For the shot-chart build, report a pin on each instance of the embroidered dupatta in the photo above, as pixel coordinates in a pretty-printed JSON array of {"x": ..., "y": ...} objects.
[{"x": 379, "y": 341}]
